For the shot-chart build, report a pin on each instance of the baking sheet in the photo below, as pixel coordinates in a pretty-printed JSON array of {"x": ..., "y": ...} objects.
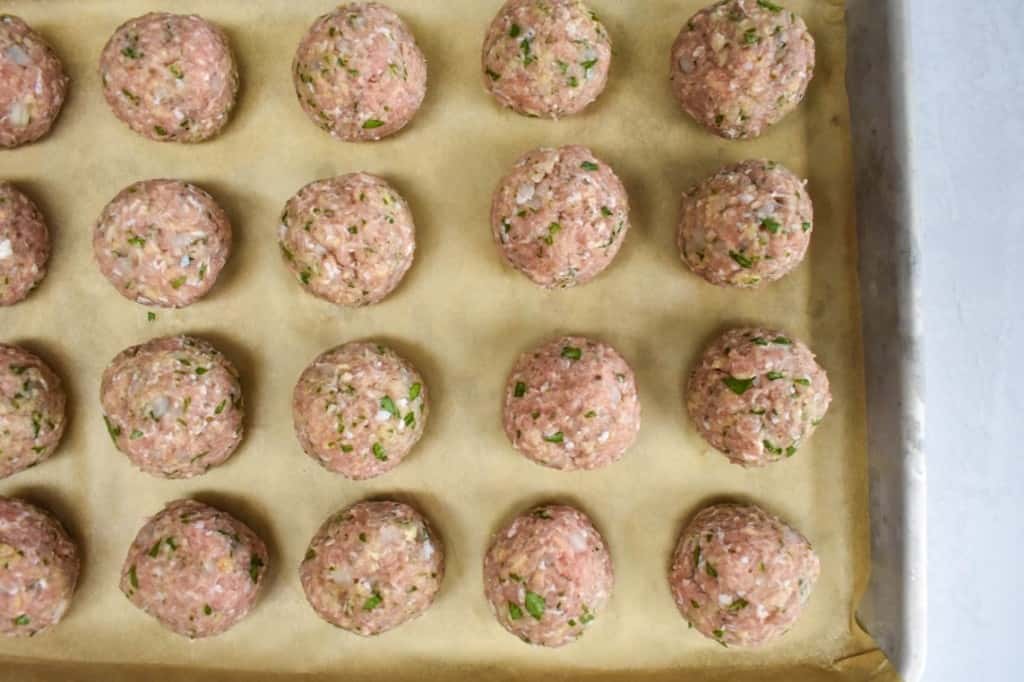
[{"x": 462, "y": 316}]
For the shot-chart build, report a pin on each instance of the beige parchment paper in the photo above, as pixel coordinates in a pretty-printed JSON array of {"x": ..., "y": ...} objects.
[{"x": 462, "y": 316}]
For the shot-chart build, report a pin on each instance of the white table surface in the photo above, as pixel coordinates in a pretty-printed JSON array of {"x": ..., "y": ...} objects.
[{"x": 967, "y": 131}]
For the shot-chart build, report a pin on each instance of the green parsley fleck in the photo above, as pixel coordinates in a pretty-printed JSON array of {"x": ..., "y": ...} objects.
[
  {"x": 114, "y": 431},
  {"x": 803, "y": 381},
  {"x": 176, "y": 71},
  {"x": 133, "y": 577},
  {"x": 571, "y": 353},
  {"x": 414, "y": 391},
  {"x": 556, "y": 437},
  {"x": 372, "y": 602},
  {"x": 514, "y": 612},
  {"x": 605, "y": 211},
  {"x": 514, "y": 31},
  {"x": 589, "y": 64},
  {"x": 388, "y": 405},
  {"x": 371, "y": 123},
  {"x": 771, "y": 225},
  {"x": 535, "y": 605},
  {"x": 806, "y": 226},
  {"x": 589, "y": 166},
  {"x": 710, "y": 570},
  {"x": 362, "y": 537},
  {"x": 201, "y": 371},
  {"x": 136, "y": 240},
  {"x": 207, "y": 609},
  {"x": 220, "y": 406},
  {"x": 494, "y": 76},
  {"x": 410, "y": 420},
  {"x": 782, "y": 341},
  {"x": 177, "y": 282},
  {"x": 135, "y": 435},
  {"x": 741, "y": 260},
  {"x": 255, "y": 564},
  {"x": 160, "y": 130},
  {"x": 750, "y": 37},
  {"x": 738, "y": 386},
  {"x": 520, "y": 389},
  {"x": 378, "y": 452},
  {"x": 590, "y": 414},
  {"x": 21, "y": 620},
  {"x": 553, "y": 229},
  {"x": 773, "y": 375},
  {"x": 770, "y": 6},
  {"x": 151, "y": 316}
]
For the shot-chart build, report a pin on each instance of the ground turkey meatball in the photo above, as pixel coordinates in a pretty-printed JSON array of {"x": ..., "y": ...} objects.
[
  {"x": 31, "y": 410},
  {"x": 170, "y": 77},
  {"x": 740, "y": 575},
  {"x": 372, "y": 567},
  {"x": 739, "y": 66},
  {"x": 24, "y": 245},
  {"x": 162, "y": 242},
  {"x": 747, "y": 225},
  {"x": 548, "y": 575},
  {"x": 358, "y": 409},
  {"x": 560, "y": 216},
  {"x": 38, "y": 569},
  {"x": 349, "y": 239},
  {"x": 32, "y": 84},
  {"x": 757, "y": 395},
  {"x": 173, "y": 405},
  {"x": 572, "y": 404},
  {"x": 195, "y": 569},
  {"x": 358, "y": 72},
  {"x": 546, "y": 58}
]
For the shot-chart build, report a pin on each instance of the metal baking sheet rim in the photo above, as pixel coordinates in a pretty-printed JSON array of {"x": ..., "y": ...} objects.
[{"x": 894, "y": 609}]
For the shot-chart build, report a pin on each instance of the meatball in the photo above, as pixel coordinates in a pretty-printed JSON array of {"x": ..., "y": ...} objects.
[
  {"x": 756, "y": 395},
  {"x": 548, "y": 575},
  {"x": 358, "y": 409},
  {"x": 173, "y": 405},
  {"x": 745, "y": 226},
  {"x": 38, "y": 569},
  {"x": 359, "y": 73},
  {"x": 741, "y": 575},
  {"x": 31, "y": 410},
  {"x": 194, "y": 568},
  {"x": 546, "y": 58},
  {"x": 170, "y": 77},
  {"x": 560, "y": 216},
  {"x": 349, "y": 239},
  {"x": 32, "y": 84},
  {"x": 24, "y": 245},
  {"x": 740, "y": 66},
  {"x": 572, "y": 403},
  {"x": 372, "y": 567},
  {"x": 162, "y": 242}
]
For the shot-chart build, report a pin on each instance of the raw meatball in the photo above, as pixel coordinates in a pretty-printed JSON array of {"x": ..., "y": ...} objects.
[
  {"x": 173, "y": 405},
  {"x": 740, "y": 66},
  {"x": 572, "y": 404},
  {"x": 32, "y": 84},
  {"x": 372, "y": 567},
  {"x": 359, "y": 73},
  {"x": 31, "y": 410},
  {"x": 170, "y": 77},
  {"x": 349, "y": 239},
  {"x": 359, "y": 409},
  {"x": 740, "y": 575},
  {"x": 24, "y": 245},
  {"x": 162, "y": 242},
  {"x": 548, "y": 575},
  {"x": 560, "y": 216},
  {"x": 746, "y": 225},
  {"x": 546, "y": 57},
  {"x": 38, "y": 569},
  {"x": 195, "y": 569},
  {"x": 757, "y": 395}
]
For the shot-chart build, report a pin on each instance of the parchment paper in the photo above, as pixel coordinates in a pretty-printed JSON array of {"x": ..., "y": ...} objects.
[{"x": 462, "y": 316}]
